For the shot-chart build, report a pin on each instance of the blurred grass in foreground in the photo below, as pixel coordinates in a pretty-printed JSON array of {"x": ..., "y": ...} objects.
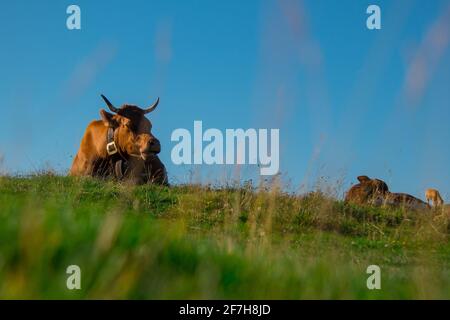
[{"x": 191, "y": 242}]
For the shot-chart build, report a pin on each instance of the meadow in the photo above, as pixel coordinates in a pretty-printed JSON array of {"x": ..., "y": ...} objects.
[{"x": 201, "y": 242}]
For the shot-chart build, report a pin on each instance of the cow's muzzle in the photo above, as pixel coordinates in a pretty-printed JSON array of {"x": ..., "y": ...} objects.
[{"x": 152, "y": 149}]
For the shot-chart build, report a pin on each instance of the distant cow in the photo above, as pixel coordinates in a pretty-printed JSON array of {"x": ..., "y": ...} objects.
[
  {"x": 376, "y": 192},
  {"x": 121, "y": 145},
  {"x": 366, "y": 190},
  {"x": 434, "y": 196}
]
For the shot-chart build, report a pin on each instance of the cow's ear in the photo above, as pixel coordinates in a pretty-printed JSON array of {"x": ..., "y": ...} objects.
[
  {"x": 363, "y": 179},
  {"x": 108, "y": 119}
]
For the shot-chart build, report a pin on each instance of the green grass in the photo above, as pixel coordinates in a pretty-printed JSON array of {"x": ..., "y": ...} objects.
[{"x": 192, "y": 242}]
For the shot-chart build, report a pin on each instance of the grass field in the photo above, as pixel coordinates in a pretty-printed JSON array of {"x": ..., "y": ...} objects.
[{"x": 188, "y": 242}]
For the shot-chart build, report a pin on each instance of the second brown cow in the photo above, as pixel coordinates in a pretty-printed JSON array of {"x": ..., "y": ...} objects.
[{"x": 376, "y": 192}]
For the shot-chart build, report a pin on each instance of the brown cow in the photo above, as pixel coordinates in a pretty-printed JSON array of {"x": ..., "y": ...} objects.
[
  {"x": 376, "y": 192},
  {"x": 121, "y": 145},
  {"x": 366, "y": 190},
  {"x": 434, "y": 196}
]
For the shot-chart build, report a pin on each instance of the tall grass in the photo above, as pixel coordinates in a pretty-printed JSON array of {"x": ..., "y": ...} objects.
[{"x": 191, "y": 241}]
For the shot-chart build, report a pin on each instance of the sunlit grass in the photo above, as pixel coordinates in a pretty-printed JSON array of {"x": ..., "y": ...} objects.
[{"x": 195, "y": 242}]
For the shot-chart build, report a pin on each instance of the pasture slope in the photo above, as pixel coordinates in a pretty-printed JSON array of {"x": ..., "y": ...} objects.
[{"x": 188, "y": 242}]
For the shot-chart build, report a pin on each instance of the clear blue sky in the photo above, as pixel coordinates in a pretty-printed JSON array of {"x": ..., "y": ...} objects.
[{"x": 347, "y": 101}]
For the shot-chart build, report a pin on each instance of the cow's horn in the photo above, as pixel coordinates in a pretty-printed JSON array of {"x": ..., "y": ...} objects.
[
  {"x": 110, "y": 105},
  {"x": 152, "y": 107}
]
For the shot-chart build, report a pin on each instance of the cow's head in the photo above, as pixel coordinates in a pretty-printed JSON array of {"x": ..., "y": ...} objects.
[
  {"x": 132, "y": 130},
  {"x": 367, "y": 191},
  {"x": 373, "y": 186}
]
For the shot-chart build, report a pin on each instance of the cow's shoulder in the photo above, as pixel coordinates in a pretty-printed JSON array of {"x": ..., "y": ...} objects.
[{"x": 96, "y": 124}]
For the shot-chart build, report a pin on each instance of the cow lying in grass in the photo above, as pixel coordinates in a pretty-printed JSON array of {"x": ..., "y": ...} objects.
[
  {"x": 366, "y": 190},
  {"x": 376, "y": 192},
  {"x": 121, "y": 145}
]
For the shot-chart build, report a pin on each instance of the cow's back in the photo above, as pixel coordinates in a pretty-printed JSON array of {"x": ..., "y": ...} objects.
[
  {"x": 92, "y": 149},
  {"x": 406, "y": 200},
  {"x": 357, "y": 194}
]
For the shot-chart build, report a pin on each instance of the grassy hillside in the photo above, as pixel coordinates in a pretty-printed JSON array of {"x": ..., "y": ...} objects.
[{"x": 193, "y": 242}]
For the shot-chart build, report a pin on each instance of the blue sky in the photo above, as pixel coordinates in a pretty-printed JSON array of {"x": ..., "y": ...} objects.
[{"x": 347, "y": 100}]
